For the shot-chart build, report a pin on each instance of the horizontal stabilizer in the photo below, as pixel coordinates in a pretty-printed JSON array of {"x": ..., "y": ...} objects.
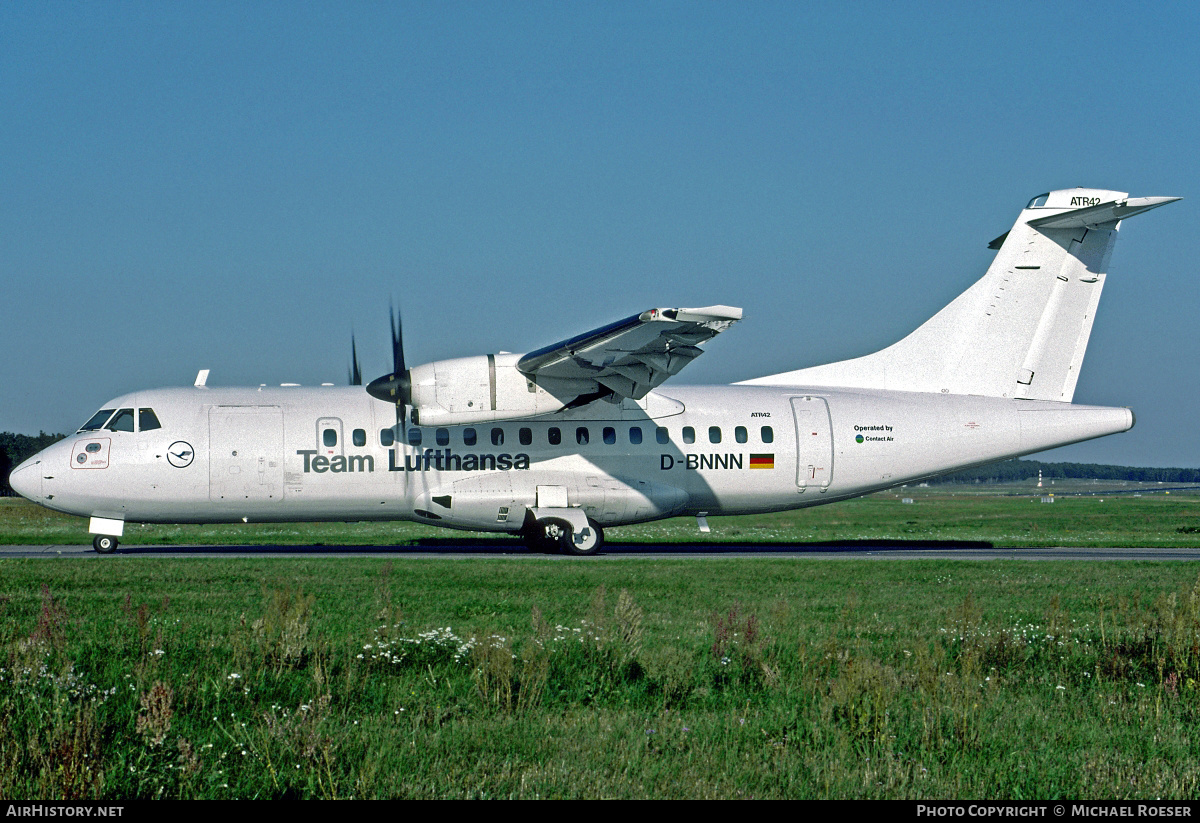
[{"x": 1101, "y": 215}]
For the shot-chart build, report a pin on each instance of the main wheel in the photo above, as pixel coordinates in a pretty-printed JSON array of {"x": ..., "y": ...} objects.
[
  {"x": 104, "y": 544},
  {"x": 587, "y": 541}
]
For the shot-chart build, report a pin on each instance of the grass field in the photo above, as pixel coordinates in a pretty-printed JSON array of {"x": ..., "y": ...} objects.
[{"x": 535, "y": 676}]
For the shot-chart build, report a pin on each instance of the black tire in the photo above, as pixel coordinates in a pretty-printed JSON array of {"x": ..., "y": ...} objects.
[
  {"x": 104, "y": 544},
  {"x": 589, "y": 546}
]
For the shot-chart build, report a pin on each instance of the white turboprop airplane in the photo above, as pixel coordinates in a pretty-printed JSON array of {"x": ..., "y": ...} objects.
[{"x": 562, "y": 442}]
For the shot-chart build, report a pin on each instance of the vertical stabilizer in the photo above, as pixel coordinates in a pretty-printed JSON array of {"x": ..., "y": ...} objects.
[{"x": 1022, "y": 330}]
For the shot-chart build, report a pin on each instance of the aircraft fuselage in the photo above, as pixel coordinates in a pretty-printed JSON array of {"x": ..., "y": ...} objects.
[{"x": 331, "y": 453}]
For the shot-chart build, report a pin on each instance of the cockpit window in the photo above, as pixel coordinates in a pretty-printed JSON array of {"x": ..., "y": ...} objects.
[
  {"x": 147, "y": 420},
  {"x": 98, "y": 420},
  {"x": 1039, "y": 201},
  {"x": 122, "y": 421}
]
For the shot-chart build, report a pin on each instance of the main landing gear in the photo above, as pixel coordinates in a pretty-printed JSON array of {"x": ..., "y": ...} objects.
[
  {"x": 555, "y": 534},
  {"x": 104, "y": 544}
]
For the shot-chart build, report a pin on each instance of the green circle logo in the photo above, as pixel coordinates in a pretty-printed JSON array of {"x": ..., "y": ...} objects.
[{"x": 858, "y": 439}]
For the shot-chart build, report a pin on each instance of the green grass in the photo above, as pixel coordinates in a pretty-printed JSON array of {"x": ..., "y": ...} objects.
[
  {"x": 538, "y": 677},
  {"x": 132, "y": 677},
  {"x": 954, "y": 515}
]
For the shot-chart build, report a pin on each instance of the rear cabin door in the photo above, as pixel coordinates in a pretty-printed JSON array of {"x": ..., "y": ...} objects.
[{"x": 814, "y": 443}]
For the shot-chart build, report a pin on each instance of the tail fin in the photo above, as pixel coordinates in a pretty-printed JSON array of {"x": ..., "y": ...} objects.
[{"x": 1021, "y": 331}]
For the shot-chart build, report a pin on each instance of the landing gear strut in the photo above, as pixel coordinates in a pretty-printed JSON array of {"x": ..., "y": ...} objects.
[{"x": 104, "y": 544}]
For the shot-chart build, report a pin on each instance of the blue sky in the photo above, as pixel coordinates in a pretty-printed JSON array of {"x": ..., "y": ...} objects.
[{"x": 239, "y": 186}]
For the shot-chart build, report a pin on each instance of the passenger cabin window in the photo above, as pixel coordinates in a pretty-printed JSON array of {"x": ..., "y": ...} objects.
[
  {"x": 768, "y": 434},
  {"x": 122, "y": 421},
  {"x": 497, "y": 437},
  {"x": 442, "y": 436},
  {"x": 635, "y": 435},
  {"x": 689, "y": 434},
  {"x": 714, "y": 434},
  {"x": 661, "y": 435},
  {"x": 581, "y": 435},
  {"x": 148, "y": 420},
  {"x": 329, "y": 437},
  {"x": 525, "y": 435},
  {"x": 98, "y": 420},
  {"x": 360, "y": 437},
  {"x": 414, "y": 437},
  {"x": 554, "y": 436},
  {"x": 387, "y": 437},
  {"x": 740, "y": 434},
  {"x": 610, "y": 435},
  {"x": 470, "y": 437}
]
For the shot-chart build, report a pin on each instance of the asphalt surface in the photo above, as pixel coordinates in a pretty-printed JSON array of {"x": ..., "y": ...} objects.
[{"x": 512, "y": 548}]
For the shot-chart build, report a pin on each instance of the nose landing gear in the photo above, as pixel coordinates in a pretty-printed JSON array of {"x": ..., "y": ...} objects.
[{"x": 104, "y": 544}]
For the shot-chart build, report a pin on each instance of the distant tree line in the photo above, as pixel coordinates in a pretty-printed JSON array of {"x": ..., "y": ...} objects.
[
  {"x": 15, "y": 448},
  {"x": 1017, "y": 469}
]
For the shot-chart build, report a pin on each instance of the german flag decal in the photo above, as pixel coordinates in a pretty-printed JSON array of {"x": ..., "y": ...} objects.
[{"x": 762, "y": 461}]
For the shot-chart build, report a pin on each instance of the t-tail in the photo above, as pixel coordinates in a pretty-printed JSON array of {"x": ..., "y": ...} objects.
[{"x": 1022, "y": 330}]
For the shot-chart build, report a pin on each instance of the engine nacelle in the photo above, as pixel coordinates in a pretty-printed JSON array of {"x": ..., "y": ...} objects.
[{"x": 479, "y": 389}]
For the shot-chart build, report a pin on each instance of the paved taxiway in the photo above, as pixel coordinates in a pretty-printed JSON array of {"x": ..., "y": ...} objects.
[{"x": 480, "y": 548}]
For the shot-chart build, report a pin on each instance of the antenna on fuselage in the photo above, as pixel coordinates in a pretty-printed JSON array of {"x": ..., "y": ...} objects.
[{"x": 201, "y": 378}]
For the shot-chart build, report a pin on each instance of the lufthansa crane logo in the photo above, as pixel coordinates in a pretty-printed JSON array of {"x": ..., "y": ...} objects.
[{"x": 180, "y": 454}]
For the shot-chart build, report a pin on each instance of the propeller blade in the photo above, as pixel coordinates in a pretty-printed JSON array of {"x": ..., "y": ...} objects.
[
  {"x": 355, "y": 368},
  {"x": 397, "y": 343}
]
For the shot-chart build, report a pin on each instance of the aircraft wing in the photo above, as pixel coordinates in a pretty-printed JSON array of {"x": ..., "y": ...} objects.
[{"x": 629, "y": 357}]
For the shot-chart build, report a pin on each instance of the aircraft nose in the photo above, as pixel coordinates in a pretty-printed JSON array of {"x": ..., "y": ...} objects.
[{"x": 26, "y": 481}]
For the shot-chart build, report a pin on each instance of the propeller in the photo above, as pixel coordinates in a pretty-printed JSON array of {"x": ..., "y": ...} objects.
[{"x": 397, "y": 386}]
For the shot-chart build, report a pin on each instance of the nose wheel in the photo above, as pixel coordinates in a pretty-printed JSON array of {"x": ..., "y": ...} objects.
[{"x": 104, "y": 544}]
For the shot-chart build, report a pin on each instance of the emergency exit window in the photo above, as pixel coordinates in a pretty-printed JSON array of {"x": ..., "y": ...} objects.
[{"x": 329, "y": 437}]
